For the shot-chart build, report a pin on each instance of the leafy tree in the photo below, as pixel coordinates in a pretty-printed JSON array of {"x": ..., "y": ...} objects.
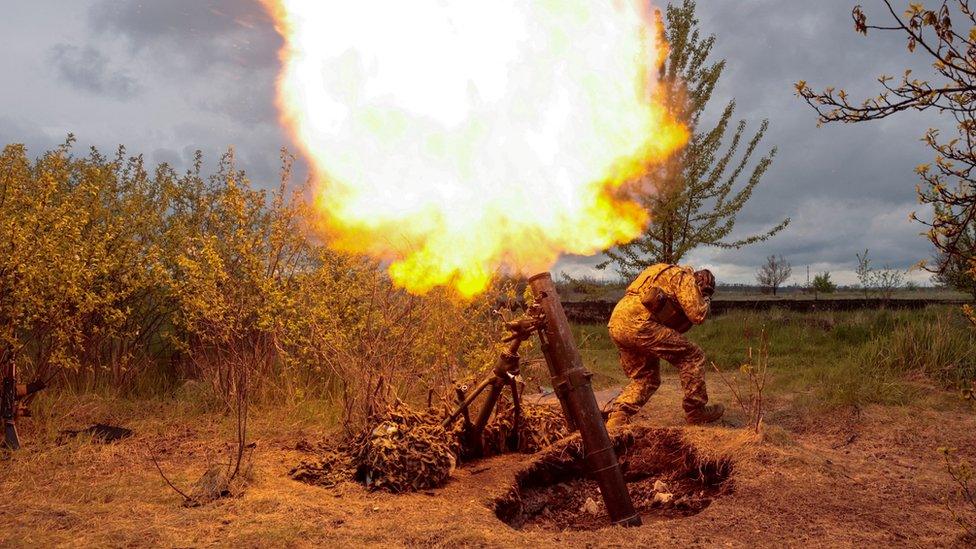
[
  {"x": 953, "y": 271},
  {"x": 822, "y": 284},
  {"x": 693, "y": 198},
  {"x": 950, "y": 186},
  {"x": 774, "y": 273}
]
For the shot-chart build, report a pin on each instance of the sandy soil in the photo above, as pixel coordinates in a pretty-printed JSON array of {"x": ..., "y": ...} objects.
[{"x": 866, "y": 478}]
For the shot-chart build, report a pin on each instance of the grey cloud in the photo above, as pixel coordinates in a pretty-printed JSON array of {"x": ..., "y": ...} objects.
[
  {"x": 250, "y": 102},
  {"x": 834, "y": 230},
  {"x": 88, "y": 69},
  {"x": 15, "y": 131},
  {"x": 167, "y": 156},
  {"x": 192, "y": 34}
]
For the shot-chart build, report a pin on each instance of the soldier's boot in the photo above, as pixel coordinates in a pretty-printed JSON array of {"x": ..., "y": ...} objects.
[
  {"x": 618, "y": 418},
  {"x": 705, "y": 414}
]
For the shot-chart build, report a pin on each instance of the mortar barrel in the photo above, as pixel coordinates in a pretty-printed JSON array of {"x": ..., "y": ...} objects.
[{"x": 572, "y": 384}]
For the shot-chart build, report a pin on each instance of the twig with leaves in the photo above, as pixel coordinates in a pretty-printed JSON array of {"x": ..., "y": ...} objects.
[
  {"x": 946, "y": 36},
  {"x": 963, "y": 508},
  {"x": 756, "y": 368}
]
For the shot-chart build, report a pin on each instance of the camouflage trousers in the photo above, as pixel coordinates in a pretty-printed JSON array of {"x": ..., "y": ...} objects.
[{"x": 641, "y": 351}]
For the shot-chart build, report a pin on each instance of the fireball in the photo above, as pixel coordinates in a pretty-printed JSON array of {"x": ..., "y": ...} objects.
[{"x": 453, "y": 139}]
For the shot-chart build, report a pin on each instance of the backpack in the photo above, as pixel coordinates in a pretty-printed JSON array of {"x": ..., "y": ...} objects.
[{"x": 664, "y": 308}]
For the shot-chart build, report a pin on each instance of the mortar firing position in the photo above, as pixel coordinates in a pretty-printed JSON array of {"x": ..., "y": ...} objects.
[{"x": 648, "y": 324}]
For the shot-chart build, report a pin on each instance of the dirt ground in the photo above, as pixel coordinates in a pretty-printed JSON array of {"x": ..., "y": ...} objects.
[{"x": 853, "y": 479}]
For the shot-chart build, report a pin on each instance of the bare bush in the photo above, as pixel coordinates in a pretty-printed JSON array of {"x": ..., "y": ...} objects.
[
  {"x": 221, "y": 479},
  {"x": 882, "y": 282},
  {"x": 749, "y": 394},
  {"x": 962, "y": 503}
]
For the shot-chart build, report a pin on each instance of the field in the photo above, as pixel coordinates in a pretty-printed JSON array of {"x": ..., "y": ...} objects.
[
  {"x": 597, "y": 290},
  {"x": 207, "y": 339},
  {"x": 830, "y": 358},
  {"x": 857, "y": 407}
]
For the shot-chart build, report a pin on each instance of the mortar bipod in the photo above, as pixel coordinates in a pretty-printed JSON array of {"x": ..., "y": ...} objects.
[{"x": 506, "y": 373}]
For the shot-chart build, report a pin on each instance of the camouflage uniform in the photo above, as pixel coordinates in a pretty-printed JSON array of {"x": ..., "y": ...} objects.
[{"x": 643, "y": 341}]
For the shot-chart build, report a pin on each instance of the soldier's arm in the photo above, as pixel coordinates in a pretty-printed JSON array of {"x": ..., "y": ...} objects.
[{"x": 694, "y": 304}]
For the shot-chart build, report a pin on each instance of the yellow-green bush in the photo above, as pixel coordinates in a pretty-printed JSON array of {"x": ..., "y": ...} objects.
[{"x": 115, "y": 276}]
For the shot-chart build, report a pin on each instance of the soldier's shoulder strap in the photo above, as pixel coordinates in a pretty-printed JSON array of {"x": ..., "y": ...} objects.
[{"x": 650, "y": 275}]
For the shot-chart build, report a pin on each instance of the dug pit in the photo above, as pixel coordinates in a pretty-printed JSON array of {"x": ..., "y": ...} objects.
[{"x": 667, "y": 476}]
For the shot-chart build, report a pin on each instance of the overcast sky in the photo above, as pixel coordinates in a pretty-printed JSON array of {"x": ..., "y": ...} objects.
[{"x": 167, "y": 77}]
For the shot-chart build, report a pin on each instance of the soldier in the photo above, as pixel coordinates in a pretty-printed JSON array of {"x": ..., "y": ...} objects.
[{"x": 647, "y": 325}]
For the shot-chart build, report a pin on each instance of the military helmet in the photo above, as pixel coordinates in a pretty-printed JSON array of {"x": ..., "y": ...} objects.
[{"x": 706, "y": 281}]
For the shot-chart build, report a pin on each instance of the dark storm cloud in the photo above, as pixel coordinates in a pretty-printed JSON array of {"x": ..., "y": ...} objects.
[
  {"x": 89, "y": 70},
  {"x": 845, "y": 187}
]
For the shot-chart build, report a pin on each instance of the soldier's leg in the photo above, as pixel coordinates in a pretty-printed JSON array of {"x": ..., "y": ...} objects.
[
  {"x": 644, "y": 372},
  {"x": 687, "y": 357}
]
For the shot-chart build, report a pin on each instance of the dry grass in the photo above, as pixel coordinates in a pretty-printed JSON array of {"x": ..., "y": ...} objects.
[
  {"x": 862, "y": 475},
  {"x": 884, "y": 486},
  {"x": 962, "y": 502}
]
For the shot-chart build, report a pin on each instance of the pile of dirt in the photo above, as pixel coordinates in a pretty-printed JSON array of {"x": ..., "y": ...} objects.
[
  {"x": 404, "y": 450},
  {"x": 666, "y": 475}
]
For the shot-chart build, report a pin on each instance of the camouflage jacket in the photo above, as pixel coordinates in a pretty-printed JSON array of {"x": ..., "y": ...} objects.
[{"x": 677, "y": 282}]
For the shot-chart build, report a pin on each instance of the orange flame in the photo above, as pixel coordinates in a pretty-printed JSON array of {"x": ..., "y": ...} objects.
[{"x": 454, "y": 138}]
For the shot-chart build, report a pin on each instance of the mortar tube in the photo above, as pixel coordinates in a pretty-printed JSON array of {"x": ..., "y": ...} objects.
[{"x": 572, "y": 384}]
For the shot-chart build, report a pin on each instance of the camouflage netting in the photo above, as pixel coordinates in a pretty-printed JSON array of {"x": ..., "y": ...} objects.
[
  {"x": 405, "y": 450},
  {"x": 539, "y": 427}
]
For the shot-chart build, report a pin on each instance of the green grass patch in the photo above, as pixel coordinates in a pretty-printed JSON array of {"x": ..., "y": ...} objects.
[{"x": 830, "y": 358}]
